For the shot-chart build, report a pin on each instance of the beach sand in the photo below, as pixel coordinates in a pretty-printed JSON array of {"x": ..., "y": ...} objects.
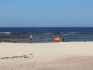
[{"x": 46, "y": 56}]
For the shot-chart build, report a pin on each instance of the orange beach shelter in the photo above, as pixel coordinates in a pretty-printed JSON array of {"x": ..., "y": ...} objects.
[{"x": 57, "y": 39}]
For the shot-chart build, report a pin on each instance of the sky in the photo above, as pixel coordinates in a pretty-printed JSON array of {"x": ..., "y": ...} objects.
[{"x": 46, "y": 13}]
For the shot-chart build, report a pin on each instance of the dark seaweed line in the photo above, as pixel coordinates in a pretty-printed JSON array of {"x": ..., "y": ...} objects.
[{"x": 24, "y": 56}]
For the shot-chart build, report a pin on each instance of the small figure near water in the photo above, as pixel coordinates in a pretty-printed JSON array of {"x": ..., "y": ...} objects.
[
  {"x": 63, "y": 40},
  {"x": 0, "y": 40},
  {"x": 31, "y": 38}
]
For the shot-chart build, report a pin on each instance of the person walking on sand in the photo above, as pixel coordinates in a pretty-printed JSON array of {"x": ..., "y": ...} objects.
[{"x": 30, "y": 38}]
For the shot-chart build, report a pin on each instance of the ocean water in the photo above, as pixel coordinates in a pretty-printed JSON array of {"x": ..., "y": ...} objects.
[{"x": 47, "y": 34}]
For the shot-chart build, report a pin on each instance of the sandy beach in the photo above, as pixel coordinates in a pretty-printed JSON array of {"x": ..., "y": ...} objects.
[{"x": 46, "y": 56}]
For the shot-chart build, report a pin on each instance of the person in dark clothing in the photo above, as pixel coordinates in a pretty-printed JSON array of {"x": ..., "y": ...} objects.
[{"x": 63, "y": 40}]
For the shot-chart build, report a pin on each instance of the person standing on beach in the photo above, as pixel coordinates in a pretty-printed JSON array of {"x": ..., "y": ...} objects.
[{"x": 30, "y": 38}]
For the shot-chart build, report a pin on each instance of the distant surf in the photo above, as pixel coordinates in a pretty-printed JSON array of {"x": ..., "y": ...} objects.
[{"x": 46, "y": 34}]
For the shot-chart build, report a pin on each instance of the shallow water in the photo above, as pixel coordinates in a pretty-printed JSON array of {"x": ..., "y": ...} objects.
[{"x": 47, "y": 34}]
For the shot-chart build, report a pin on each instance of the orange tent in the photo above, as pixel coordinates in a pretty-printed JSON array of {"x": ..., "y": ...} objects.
[{"x": 57, "y": 39}]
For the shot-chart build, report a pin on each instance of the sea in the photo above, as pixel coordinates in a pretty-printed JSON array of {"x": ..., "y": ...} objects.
[{"x": 47, "y": 34}]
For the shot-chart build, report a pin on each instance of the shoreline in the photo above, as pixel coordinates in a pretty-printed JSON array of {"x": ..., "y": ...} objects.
[{"x": 6, "y": 48}]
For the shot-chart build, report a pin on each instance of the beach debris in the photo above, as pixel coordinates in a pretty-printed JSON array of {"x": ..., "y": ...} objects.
[{"x": 23, "y": 56}]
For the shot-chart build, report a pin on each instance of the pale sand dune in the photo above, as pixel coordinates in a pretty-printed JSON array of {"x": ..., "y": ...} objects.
[{"x": 46, "y": 56}]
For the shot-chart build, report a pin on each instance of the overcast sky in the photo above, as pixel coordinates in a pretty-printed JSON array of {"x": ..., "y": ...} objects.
[{"x": 46, "y": 13}]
